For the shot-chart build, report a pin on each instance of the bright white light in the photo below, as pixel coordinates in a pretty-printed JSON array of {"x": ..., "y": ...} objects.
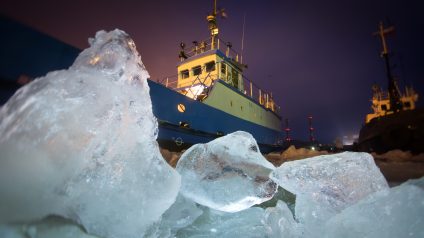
[
  {"x": 195, "y": 90},
  {"x": 312, "y": 148}
]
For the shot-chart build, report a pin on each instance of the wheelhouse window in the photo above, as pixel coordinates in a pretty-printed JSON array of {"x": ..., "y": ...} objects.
[
  {"x": 184, "y": 74},
  {"x": 210, "y": 66},
  {"x": 197, "y": 70},
  {"x": 223, "y": 69}
]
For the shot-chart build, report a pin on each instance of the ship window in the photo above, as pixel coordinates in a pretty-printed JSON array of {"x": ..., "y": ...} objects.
[
  {"x": 210, "y": 66},
  {"x": 223, "y": 68},
  {"x": 184, "y": 74},
  {"x": 384, "y": 107},
  {"x": 407, "y": 104},
  {"x": 197, "y": 70}
]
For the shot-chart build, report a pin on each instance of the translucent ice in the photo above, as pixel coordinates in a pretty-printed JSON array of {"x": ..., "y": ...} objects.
[
  {"x": 50, "y": 227},
  {"x": 81, "y": 143},
  {"x": 212, "y": 223},
  {"x": 181, "y": 214},
  {"x": 227, "y": 174},
  {"x": 397, "y": 212},
  {"x": 279, "y": 222},
  {"x": 334, "y": 181}
]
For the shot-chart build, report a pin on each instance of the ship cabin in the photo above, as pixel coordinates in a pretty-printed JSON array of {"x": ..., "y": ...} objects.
[
  {"x": 209, "y": 61},
  {"x": 381, "y": 102},
  {"x": 206, "y": 63}
]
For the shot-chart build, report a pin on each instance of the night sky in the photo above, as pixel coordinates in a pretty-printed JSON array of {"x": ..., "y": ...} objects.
[{"x": 317, "y": 57}]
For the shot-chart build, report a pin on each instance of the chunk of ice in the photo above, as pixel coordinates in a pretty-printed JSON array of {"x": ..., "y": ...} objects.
[
  {"x": 81, "y": 143},
  {"x": 181, "y": 214},
  {"x": 227, "y": 174},
  {"x": 397, "y": 212},
  {"x": 335, "y": 181},
  {"x": 279, "y": 222}
]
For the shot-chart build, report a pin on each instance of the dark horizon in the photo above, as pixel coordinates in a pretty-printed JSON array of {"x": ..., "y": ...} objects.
[{"x": 318, "y": 59}]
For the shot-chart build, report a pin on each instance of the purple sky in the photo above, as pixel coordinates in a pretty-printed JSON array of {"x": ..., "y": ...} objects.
[{"x": 318, "y": 57}]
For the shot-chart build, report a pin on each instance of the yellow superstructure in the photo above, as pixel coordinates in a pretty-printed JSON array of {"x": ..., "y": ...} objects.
[
  {"x": 381, "y": 102},
  {"x": 207, "y": 67}
]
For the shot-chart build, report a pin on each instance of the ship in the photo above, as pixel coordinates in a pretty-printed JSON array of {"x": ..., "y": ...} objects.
[
  {"x": 210, "y": 97},
  {"x": 395, "y": 122}
]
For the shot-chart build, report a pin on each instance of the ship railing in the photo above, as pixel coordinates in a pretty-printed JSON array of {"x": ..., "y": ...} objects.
[
  {"x": 381, "y": 96},
  {"x": 210, "y": 44},
  {"x": 169, "y": 81},
  {"x": 260, "y": 96}
]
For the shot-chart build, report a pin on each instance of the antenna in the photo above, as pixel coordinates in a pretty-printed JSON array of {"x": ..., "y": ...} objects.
[
  {"x": 242, "y": 38},
  {"x": 287, "y": 129},
  {"x": 311, "y": 130}
]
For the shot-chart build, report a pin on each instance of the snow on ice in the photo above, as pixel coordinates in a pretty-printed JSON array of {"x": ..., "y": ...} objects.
[
  {"x": 227, "y": 174},
  {"x": 81, "y": 143}
]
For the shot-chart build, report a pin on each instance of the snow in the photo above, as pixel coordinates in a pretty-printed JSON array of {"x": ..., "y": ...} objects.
[
  {"x": 81, "y": 143},
  {"x": 292, "y": 153},
  {"x": 227, "y": 174},
  {"x": 399, "y": 156}
]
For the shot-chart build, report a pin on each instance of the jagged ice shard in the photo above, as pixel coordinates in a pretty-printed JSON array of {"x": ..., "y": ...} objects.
[
  {"x": 279, "y": 222},
  {"x": 327, "y": 184},
  {"x": 181, "y": 214},
  {"x": 81, "y": 143},
  {"x": 227, "y": 174},
  {"x": 337, "y": 180},
  {"x": 398, "y": 212}
]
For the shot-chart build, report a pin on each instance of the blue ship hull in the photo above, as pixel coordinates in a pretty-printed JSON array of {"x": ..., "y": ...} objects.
[{"x": 201, "y": 123}]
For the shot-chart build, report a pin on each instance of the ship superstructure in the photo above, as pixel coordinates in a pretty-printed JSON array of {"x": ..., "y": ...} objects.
[{"x": 393, "y": 100}]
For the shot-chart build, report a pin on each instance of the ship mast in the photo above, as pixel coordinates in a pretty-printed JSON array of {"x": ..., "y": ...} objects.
[
  {"x": 213, "y": 27},
  {"x": 395, "y": 103}
]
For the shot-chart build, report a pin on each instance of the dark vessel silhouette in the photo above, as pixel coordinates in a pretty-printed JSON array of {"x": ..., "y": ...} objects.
[{"x": 396, "y": 122}]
